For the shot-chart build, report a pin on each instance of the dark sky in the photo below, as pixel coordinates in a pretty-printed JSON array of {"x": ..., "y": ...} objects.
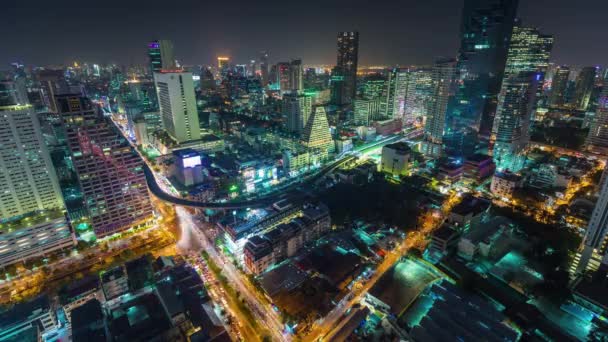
[{"x": 392, "y": 32}]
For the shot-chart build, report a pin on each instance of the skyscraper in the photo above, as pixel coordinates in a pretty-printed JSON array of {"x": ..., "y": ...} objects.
[
  {"x": 594, "y": 246},
  {"x": 559, "y": 84},
  {"x": 348, "y": 56},
  {"x": 283, "y": 76},
  {"x": 296, "y": 75},
  {"x": 52, "y": 82},
  {"x": 178, "y": 105},
  {"x": 297, "y": 108},
  {"x": 516, "y": 102},
  {"x": 418, "y": 94},
  {"x": 32, "y": 218},
  {"x": 485, "y": 32},
  {"x": 598, "y": 130},
  {"x": 584, "y": 87},
  {"x": 316, "y": 133},
  {"x": 264, "y": 67},
  {"x": 109, "y": 172},
  {"x": 160, "y": 53},
  {"x": 529, "y": 51},
  {"x": 443, "y": 74},
  {"x": 394, "y": 94}
]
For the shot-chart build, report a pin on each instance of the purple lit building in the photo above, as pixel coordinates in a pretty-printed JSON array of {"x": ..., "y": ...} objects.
[{"x": 110, "y": 173}]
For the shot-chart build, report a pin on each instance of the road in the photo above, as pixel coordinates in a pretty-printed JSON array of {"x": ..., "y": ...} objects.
[{"x": 264, "y": 314}]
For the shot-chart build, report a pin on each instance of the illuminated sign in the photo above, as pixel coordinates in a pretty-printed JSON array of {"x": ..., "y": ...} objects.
[
  {"x": 196, "y": 78},
  {"x": 192, "y": 161}
]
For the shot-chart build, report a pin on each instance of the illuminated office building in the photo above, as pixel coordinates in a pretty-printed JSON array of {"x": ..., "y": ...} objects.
[
  {"x": 178, "y": 105},
  {"x": 394, "y": 94},
  {"x": 283, "y": 76},
  {"x": 366, "y": 110},
  {"x": 529, "y": 51},
  {"x": 316, "y": 133},
  {"x": 559, "y": 84},
  {"x": 296, "y": 75},
  {"x": 110, "y": 173},
  {"x": 32, "y": 219},
  {"x": 516, "y": 103},
  {"x": 584, "y": 87},
  {"x": 418, "y": 94},
  {"x": 443, "y": 74},
  {"x": 348, "y": 56},
  {"x": 264, "y": 67},
  {"x": 598, "y": 130},
  {"x": 160, "y": 53},
  {"x": 485, "y": 32}
]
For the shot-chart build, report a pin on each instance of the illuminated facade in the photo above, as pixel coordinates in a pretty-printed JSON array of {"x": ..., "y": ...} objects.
[
  {"x": 296, "y": 75},
  {"x": 297, "y": 108},
  {"x": 598, "y": 130},
  {"x": 32, "y": 221},
  {"x": 178, "y": 105},
  {"x": 559, "y": 83},
  {"x": 347, "y": 61},
  {"x": 160, "y": 54},
  {"x": 516, "y": 103},
  {"x": 316, "y": 133},
  {"x": 485, "y": 32},
  {"x": 443, "y": 86},
  {"x": 529, "y": 51},
  {"x": 418, "y": 94},
  {"x": 366, "y": 110},
  {"x": 109, "y": 172},
  {"x": 396, "y": 159},
  {"x": 584, "y": 87}
]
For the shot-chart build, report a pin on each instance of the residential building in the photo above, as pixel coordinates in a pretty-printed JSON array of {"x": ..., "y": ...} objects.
[
  {"x": 109, "y": 171},
  {"x": 504, "y": 184},
  {"x": 178, "y": 105}
]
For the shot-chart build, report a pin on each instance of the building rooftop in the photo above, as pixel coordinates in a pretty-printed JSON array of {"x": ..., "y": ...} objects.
[
  {"x": 78, "y": 288},
  {"x": 139, "y": 319},
  {"x": 113, "y": 274},
  {"x": 31, "y": 219},
  {"x": 486, "y": 230},
  {"x": 285, "y": 277},
  {"x": 88, "y": 322},
  {"x": 471, "y": 205},
  {"x": 23, "y": 311},
  {"x": 400, "y": 147},
  {"x": 444, "y": 232},
  {"x": 510, "y": 176},
  {"x": 478, "y": 158}
]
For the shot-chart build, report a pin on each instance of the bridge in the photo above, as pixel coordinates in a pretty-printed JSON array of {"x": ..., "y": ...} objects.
[{"x": 286, "y": 193}]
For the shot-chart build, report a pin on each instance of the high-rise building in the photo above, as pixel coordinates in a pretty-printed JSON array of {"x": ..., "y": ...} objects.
[
  {"x": 348, "y": 56},
  {"x": 584, "y": 87},
  {"x": 516, "y": 103},
  {"x": 283, "y": 76},
  {"x": 160, "y": 53},
  {"x": 598, "y": 130},
  {"x": 32, "y": 219},
  {"x": 223, "y": 62},
  {"x": 529, "y": 51},
  {"x": 394, "y": 94},
  {"x": 52, "y": 82},
  {"x": 110, "y": 173},
  {"x": 443, "y": 75},
  {"x": 485, "y": 32},
  {"x": 418, "y": 94},
  {"x": 296, "y": 75},
  {"x": 594, "y": 250},
  {"x": 366, "y": 110},
  {"x": 559, "y": 84},
  {"x": 336, "y": 84},
  {"x": 264, "y": 67},
  {"x": 316, "y": 133},
  {"x": 178, "y": 105},
  {"x": 297, "y": 108}
]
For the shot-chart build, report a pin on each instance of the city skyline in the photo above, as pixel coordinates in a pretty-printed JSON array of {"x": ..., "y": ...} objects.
[{"x": 114, "y": 32}]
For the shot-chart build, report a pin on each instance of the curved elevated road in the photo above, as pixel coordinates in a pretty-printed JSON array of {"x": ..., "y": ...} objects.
[{"x": 157, "y": 191}]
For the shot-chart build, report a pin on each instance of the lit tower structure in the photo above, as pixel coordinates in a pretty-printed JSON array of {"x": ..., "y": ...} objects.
[
  {"x": 559, "y": 83},
  {"x": 177, "y": 104},
  {"x": 160, "y": 53},
  {"x": 316, "y": 135},
  {"x": 529, "y": 51},
  {"x": 110, "y": 173},
  {"x": 485, "y": 32},
  {"x": 594, "y": 250},
  {"x": 296, "y": 75},
  {"x": 223, "y": 65},
  {"x": 32, "y": 219},
  {"x": 264, "y": 67},
  {"x": 297, "y": 108},
  {"x": 597, "y": 139},
  {"x": 442, "y": 76},
  {"x": 348, "y": 56},
  {"x": 584, "y": 87},
  {"x": 516, "y": 103}
]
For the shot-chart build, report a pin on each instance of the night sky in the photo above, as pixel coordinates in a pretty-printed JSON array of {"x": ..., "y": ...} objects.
[{"x": 403, "y": 32}]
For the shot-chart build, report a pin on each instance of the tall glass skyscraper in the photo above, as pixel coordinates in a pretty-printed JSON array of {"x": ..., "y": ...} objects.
[
  {"x": 348, "y": 56},
  {"x": 485, "y": 33},
  {"x": 516, "y": 102},
  {"x": 109, "y": 172},
  {"x": 559, "y": 85},
  {"x": 584, "y": 87}
]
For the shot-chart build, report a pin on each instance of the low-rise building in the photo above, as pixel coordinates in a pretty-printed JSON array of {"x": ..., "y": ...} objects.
[
  {"x": 32, "y": 319},
  {"x": 469, "y": 213},
  {"x": 78, "y": 293},
  {"x": 444, "y": 239},
  {"x": 480, "y": 241},
  {"x": 286, "y": 239},
  {"x": 396, "y": 159},
  {"x": 450, "y": 172},
  {"x": 114, "y": 282},
  {"x": 478, "y": 167},
  {"x": 504, "y": 184},
  {"x": 187, "y": 167}
]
